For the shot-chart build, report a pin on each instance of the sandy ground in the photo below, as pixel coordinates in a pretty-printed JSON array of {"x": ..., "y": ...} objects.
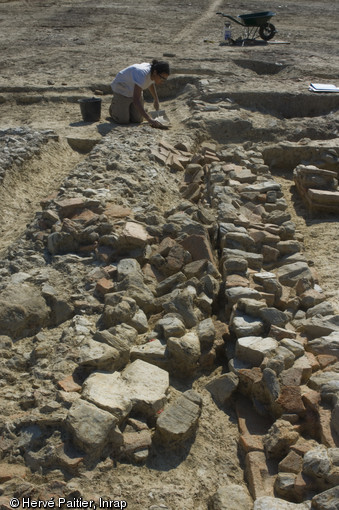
[{"x": 54, "y": 52}]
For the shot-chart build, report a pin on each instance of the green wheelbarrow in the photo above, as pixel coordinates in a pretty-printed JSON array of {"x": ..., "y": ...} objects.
[{"x": 256, "y": 23}]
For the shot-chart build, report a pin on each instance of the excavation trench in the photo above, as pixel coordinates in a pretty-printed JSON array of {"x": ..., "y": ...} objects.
[
  {"x": 261, "y": 67},
  {"x": 287, "y": 105},
  {"x": 25, "y": 185},
  {"x": 289, "y": 127},
  {"x": 122, "y": 169}
]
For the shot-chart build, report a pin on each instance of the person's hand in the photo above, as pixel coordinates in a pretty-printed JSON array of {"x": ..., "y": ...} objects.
[
  {"x": 156, "y": 104},
  {"x": 155, "y": 124}
]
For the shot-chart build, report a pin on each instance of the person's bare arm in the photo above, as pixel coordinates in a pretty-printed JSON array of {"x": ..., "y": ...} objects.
[{"x": 154, "y": 93}]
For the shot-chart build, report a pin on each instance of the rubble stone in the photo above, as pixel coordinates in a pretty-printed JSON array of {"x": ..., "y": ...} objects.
[
  {"x": 170, "y": 325},
  {"x": 235, "y": 293},
  {"x": 178, "y": 421},
  {"x": 136, "y": 442},
  {"x": 292, "y": 463},
  {"x": 92, "y": 428},
  {"x": 244, "y": 325},
  {"x": 253, "y": 349},
  {"x": 23, "y": 311},
  {"x": 98, "y": 355},
  {"x": 231, "y": 497},
  {"x": 154, "y": 352},
  {"x": 133, "y": 236},
  {"x": 222, "y": 387},
  {"x": 290, "y": 274},
  {"x": 272, "y": 503},
  {"x": 184, "y": 353},
  {"x": 206, "y": 333},
  {"x": 279, "y": 438},
  {"x": 326, "y": 500},
  {"x": 325, "y": 344},
  {"x": 181, "y": 302},
  {"x": 284, "y": 485},
  {"x": 319, "y": 465}
]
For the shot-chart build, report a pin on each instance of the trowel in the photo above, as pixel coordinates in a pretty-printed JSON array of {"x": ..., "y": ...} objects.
[{"x": 161, "y": 117}]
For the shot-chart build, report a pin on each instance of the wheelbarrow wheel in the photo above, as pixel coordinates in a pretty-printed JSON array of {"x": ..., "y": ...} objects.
[{"x": 267, "y": 31}]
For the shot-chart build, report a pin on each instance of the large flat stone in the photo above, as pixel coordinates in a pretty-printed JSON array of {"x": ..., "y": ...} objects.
[
  {"x": 290, "y": 274},
  {"x": 253, "y": 349},
  {"x": 107, "y": 391},
  {"x": 244, "y": 325},
  {"x": 254, "y": 260},
  {"x": 325, "y": 345},
  {"x": 134, "y": 235},
  {"x": 98, "y": 355},
  {"x": 154, "y": 352},
  {"x": 141, "y": 387},
  {"x": 147, "y": 385}
]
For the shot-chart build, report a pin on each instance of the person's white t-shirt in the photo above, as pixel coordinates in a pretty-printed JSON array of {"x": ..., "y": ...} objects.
[{"x": 137, "y": 74}]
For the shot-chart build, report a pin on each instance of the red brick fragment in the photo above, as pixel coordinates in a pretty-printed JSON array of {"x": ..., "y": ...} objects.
[
  {"x": 68, "y": 384},
  {"x": 199, "y": 247},
  {"x": 104, "y": 286},
  {"x": 260, "y": 482}
]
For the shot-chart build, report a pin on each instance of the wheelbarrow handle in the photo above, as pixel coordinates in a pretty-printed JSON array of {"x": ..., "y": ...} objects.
[{"x": 230, "y": 17}]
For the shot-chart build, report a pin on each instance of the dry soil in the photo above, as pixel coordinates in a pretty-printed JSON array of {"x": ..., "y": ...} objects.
[{"x": 54, "y": 52}]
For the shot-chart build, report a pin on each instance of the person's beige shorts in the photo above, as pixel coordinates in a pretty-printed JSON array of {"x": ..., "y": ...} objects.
[{"x": 123, "y": 110}]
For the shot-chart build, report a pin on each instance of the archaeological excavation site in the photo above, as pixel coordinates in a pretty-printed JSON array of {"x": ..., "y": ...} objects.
[{"x": 169, "y": 298}]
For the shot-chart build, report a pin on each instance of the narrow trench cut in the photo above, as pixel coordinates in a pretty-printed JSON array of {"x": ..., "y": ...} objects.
[{"x": 29, "y": 181}]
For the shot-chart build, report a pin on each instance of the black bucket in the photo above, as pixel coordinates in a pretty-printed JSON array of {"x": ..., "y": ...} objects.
[{"x": 90, "y": 109}]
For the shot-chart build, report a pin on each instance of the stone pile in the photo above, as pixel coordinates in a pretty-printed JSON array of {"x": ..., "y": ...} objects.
[
  {"x": 271, "y": 302},
  {"x": 136, "y": 291},
  {"x": 317, "y": 187},
  {"x": 18, "y": 145}
]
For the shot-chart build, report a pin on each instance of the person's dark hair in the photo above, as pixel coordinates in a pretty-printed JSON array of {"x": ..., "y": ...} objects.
[{"x": 160, "y": 67}]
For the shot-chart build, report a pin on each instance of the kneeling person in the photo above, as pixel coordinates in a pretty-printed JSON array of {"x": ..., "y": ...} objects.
[{"x": 128, "y": 86}]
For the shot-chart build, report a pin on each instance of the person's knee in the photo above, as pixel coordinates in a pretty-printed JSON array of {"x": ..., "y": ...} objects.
[
  {"x": 135, "y": 115},
  {"x": 119, "y": 119},
  {"x": 136, "y": 120}
]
